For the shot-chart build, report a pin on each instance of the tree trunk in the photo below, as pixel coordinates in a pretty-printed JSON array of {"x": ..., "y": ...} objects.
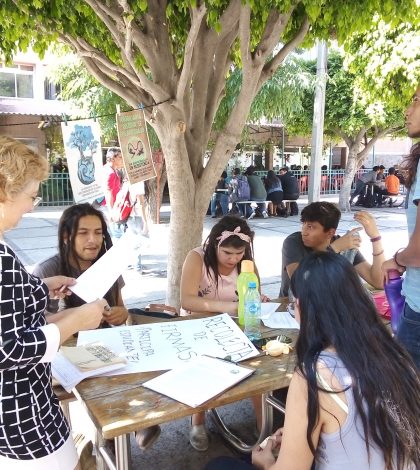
[
  {"x": 153, "y": 199},
  {"x": 351, "y": 168},
  {"x": 189, "y": 202}
]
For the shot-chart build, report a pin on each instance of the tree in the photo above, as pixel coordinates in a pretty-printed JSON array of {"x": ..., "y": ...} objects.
[
  {"x": 174, "y": 57},
  {"x": 349, "y": 116}
]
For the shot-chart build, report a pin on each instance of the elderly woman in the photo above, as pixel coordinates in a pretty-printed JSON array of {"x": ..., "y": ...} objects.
[{"x": 34, "y": 434}]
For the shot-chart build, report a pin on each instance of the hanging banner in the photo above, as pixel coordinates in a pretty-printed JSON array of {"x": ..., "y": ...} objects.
[
  {"x": 82, "y": 144},
  {"x": 135, "y": 146}
]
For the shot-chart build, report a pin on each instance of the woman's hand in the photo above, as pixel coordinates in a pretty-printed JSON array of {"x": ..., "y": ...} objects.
[
  {"x": 348, "y": 241},
  {"x": 264, "y": 298},
  {"x": 58, "y": 286},
  {"x": 368, "y": 222},
  {"x": 90, "y": 315},
  {"x": 115, "y": 315},
  {"x": 387, "y": 266}
]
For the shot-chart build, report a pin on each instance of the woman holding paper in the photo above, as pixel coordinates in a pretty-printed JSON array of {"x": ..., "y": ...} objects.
[
  {"x": 34, "y": 434},
  {"x": 354, "y": 399},
  {"x": 208, "y": 284}
]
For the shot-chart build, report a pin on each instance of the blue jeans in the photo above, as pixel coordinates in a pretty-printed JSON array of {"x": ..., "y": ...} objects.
[
  {"x": 408, "y": 333},
  {"x": 223, "y": 199}
]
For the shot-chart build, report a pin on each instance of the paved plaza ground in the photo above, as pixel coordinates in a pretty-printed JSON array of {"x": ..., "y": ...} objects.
[{"x": 36, "y": 239}]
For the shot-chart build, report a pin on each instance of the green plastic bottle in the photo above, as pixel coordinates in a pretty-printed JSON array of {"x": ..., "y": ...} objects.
[{"x": 247, "y": 275}]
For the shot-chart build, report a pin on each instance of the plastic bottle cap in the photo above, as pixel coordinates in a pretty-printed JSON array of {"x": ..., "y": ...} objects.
[
  {"x": 247, "y": 266},
  {"x": 394, "y": 274},
  {"x": 252, "y": 285}
]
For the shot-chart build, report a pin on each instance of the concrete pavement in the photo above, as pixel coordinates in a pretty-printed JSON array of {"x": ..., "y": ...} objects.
[{"x": 36, "y": 239}]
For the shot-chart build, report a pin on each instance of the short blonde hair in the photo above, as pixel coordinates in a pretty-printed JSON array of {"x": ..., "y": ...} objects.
[{"x": 18, "y": 166}]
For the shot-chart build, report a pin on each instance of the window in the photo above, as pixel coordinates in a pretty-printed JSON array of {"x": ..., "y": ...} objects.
[
  {"x": 51, "y": 90},
  {"x": 16, "y": 81}
]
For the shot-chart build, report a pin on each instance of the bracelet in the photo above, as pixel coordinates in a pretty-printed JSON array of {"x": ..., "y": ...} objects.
[
  {"x": 378, "y": 254},
  {"x": 376, "y": 239},
  {"x": 395, "y": 258}
]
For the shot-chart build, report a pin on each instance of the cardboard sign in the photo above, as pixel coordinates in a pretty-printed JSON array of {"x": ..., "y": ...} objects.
[
  {"x": 165, "y": 345},
  {"x": 135, "y": 146}
]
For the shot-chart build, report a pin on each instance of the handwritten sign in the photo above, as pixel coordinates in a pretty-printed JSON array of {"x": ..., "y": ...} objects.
[
  {"x": 135, "y": 146},
  {"x": 165, "y": 345}
]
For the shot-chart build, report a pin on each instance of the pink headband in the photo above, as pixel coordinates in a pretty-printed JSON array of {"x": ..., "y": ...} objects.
[{"x": 236, "y": 232}]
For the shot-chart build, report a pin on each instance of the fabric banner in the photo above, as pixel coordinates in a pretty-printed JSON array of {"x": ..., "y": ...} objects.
[
  {"x": 165, "y": 345},
  {"x": 135, "y": 146},
  {"x": 82, "y": 144}
]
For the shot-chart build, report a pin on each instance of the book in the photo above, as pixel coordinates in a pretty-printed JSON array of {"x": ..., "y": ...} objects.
[
  {"x": 199, "y": 380},
  {"x": 73, "y": 364}
]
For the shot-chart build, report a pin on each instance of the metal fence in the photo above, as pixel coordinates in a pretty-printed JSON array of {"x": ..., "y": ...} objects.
[
  {"x": 331, "y": 180},
  {"x": 56, "y": 191}
]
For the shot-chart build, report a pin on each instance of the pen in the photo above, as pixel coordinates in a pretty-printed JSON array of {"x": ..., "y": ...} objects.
[{"x": 227, "y": 359}]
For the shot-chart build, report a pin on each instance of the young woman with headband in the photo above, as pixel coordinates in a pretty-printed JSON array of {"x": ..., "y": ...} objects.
[{"x": 208, "y": 284}]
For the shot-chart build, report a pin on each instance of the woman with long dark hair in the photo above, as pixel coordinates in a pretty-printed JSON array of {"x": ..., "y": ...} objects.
[
  {"x": 354, "y": 399},
  {"x": 408, "y": 259},
  {"x": 208, "y": 284}
]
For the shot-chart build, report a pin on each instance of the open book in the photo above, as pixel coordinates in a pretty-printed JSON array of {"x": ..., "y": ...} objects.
[
  {"x": 73, "y": 364},
  {"x": 200, "y": 380}
]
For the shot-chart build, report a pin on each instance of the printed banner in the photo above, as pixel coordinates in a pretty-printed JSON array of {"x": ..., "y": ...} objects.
[
  {"x": 165, "y": 345},
  {"x": 135, "y": 146},
  {"x": 82, "y": 144}
]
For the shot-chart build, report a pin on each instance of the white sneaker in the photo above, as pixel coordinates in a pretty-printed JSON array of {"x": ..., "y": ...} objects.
[
  {"x": 251, "y": 216},
  {"x": 265, "y": 215}
]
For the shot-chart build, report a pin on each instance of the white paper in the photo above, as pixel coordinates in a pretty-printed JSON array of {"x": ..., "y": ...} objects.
[
  {"x": 199, "y": 381},
  {"x": 267, "y": 308},
  {"x": 281, "y": 320},
  {"x": 165, "y": 345},
  {"x": 69, "y": 375},
  {"x": 96, "y": 281}
]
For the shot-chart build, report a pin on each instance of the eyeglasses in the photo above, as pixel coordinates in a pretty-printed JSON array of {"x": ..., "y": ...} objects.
[{"x": 36, "y": 201}]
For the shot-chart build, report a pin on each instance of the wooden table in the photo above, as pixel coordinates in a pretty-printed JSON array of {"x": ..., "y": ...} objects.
[{"x": 120, "y": 405}]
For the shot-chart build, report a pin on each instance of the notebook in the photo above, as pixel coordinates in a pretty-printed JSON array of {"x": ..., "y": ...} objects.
[
  {"x": 73, "y": 364},
  {"x": 200, "y": 380}
]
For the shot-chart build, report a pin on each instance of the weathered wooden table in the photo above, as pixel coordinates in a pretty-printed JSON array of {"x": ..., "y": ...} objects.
[{"x": 120, "y": 405}]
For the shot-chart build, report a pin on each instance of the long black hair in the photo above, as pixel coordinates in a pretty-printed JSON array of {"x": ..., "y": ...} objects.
[
  {"x": 226, "y": 223},
  {"x": 67, "y": 230},
  {"x": 337, "y": 312}
]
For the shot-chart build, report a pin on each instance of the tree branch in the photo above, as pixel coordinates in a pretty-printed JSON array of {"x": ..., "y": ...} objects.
[
  {"x": 244, "y": 36},
  {"x": 347, "y": 139},
  {"x": 271, "y": 66},
  {"x": 197, "y": 18}
]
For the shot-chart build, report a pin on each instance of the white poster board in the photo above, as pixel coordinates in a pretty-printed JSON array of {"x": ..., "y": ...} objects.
[
  {"x": 165, "y": 345},
  {"x": 82, "y": 144}
]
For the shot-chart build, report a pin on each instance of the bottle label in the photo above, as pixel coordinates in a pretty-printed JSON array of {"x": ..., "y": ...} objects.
[{"x": 253, "y": 308}]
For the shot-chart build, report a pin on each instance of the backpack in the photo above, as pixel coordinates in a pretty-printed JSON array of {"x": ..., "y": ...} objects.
[
  {"x": 122, "y": 206},
  {"x": 244, "y": 191}
]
